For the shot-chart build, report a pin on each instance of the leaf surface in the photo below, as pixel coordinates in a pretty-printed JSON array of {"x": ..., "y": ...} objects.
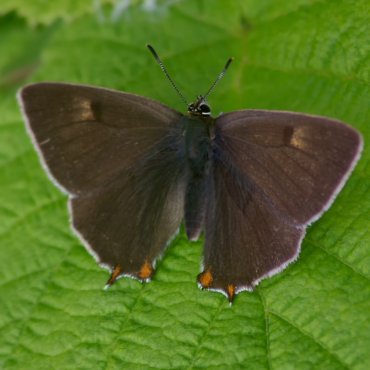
[{"x": 307, "y": 56}]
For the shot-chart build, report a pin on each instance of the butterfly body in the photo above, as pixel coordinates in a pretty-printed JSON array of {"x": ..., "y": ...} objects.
[
  {"x": 199, "y": 156},
  {"x": 134, "y": 169}
]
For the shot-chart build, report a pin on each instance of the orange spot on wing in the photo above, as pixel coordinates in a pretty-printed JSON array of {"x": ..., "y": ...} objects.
[
  {"x": 205, "y": 279},
  {"x": 146, "y": 271},
  {"x": 230, "y": 292},
  {"x": 117, "y": 271}
]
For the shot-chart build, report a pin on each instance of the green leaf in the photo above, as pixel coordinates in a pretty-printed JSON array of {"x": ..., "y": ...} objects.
[
  {"x": 46, "y": 12},
  {"x": 307, "y": 56}
]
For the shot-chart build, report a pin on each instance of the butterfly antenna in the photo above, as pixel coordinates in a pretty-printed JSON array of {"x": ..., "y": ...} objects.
[
  {"x": 163, "y": 68},
  {"x": 219, "y": 77}
]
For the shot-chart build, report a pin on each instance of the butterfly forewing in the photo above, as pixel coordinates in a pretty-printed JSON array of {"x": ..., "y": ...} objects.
[
  {"x": 121, "y": 158},
  {"x": 297, "y": 162},
  {"x": 87, "y": 135},
  {"x": 273, "y": 173}
]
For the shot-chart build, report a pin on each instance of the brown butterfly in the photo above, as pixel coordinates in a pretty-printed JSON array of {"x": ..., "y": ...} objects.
[{"x": 252, "y": 180}]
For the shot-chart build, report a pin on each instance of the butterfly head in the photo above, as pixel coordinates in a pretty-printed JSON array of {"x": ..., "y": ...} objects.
[{"x": 199, "y": 108}]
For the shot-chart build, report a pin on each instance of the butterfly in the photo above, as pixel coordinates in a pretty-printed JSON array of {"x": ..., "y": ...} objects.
[{"x": 134, "y": 169}]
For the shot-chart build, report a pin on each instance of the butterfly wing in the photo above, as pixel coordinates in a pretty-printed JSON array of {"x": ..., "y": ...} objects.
[
  {"x": 119, "y": 157},
  {"x": 273, "y": 174}
]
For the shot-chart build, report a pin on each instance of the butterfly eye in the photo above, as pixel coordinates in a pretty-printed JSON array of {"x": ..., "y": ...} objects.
[{"x": 205, "y": 109}]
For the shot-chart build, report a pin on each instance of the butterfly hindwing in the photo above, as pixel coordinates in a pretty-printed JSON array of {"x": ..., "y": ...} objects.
[
  {"x": 244, "y": 239},
  {"x": 130, "y": 221}
]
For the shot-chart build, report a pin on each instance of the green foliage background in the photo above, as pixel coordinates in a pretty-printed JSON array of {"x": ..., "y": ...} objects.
[{"x": 306, "y": 55}]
